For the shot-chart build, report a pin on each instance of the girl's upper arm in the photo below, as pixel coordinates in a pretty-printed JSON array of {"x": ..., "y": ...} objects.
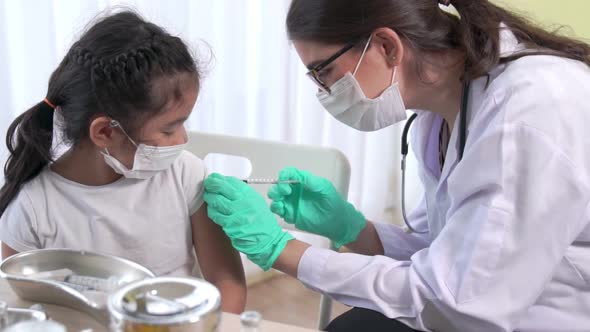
[
  {"x": 217, "y": 257},
  {"x": 220, "y": 263},
  {"x": 7, "y": 251}
]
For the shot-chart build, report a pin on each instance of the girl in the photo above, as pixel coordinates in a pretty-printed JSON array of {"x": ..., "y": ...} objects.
[{"x": 125, "y": 187}]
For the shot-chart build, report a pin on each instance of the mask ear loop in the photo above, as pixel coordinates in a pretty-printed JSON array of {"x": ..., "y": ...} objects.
[
  {"x": 116, "y": 124},
  {"x": 143, "y": 154},
  {"x": 113, "y": 124},
  {"x": 393, "y": 76},
  {"x": 358, "y": 65}
]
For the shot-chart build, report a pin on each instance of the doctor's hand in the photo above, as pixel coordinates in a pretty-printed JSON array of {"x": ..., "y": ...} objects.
[
  {"x": 314, "y": 205},
  {"x": 246, "y": 219}
]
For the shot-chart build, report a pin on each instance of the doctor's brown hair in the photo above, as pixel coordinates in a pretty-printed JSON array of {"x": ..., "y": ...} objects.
[
  {"x": 428, "y": 29},
  {"x": 123, "y": 67}
]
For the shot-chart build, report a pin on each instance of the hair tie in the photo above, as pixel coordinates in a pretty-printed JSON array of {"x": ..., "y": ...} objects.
[{"x": 50, "y": 104}]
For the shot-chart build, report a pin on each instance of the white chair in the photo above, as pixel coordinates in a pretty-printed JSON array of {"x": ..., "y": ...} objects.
[{"x": 268, "y": 158}]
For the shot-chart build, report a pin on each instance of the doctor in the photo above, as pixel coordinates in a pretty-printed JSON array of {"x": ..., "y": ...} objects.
[{"x": 501, "y": 240}]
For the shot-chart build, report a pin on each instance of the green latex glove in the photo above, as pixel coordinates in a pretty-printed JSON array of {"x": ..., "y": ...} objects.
[
  {"x": 246, "y": 219},
  {"x": 315, "y": 206}
]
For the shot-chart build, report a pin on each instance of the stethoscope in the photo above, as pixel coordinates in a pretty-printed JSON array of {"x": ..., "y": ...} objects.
[{"x": 405, "y": 146}]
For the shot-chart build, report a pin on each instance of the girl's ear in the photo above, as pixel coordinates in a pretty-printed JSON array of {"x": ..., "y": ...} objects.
[{"x": 101, "y": 132}]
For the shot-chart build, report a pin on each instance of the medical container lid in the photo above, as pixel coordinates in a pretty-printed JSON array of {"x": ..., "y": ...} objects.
[{"x": 165, "y": 301}]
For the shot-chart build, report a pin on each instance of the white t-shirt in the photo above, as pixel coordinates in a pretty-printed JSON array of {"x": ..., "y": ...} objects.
[{"x": 146, "y": 221}]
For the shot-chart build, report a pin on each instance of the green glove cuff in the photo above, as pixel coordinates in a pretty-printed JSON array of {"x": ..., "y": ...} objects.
[
  {"x": 355, "y": 225},
  {"x": 266, "y": 259}
]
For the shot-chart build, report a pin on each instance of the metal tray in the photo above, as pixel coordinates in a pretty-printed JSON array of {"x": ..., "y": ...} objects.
[{"x": 18, "y": 269}]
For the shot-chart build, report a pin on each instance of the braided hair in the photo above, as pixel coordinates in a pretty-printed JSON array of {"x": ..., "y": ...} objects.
[{"x": 123, "y": 67}]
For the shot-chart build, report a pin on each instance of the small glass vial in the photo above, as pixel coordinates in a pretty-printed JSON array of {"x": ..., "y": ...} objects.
[{"x": 251, "y": 321}]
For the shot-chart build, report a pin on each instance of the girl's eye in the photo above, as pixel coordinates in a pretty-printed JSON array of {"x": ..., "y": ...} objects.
[{"x": 169, "y": 133}]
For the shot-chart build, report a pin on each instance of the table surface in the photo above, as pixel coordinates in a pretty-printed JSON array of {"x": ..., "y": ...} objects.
[{"x": 76, "y": 321}]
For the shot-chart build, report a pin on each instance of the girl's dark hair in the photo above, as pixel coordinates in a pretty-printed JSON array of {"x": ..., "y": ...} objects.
[
  {"x": 123, "y": 67},
  {"x": 428, "y": 29}
]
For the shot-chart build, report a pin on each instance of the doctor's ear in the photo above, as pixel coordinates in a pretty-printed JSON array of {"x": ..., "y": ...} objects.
[
  {"x": 390, "y": 44},
  {"x": 101, "y": 132}
]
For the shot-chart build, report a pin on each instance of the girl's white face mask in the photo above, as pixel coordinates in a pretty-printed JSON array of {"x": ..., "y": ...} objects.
[
  {"x": 348, "y": 104},
  {"x": 148, "y": 160}
]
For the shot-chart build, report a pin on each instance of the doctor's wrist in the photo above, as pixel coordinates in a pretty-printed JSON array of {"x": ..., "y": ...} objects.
[
  {"x": 353, "y": 225},
  {"x": 288, "y": 260},
  {"x": 368, "y": 242}
]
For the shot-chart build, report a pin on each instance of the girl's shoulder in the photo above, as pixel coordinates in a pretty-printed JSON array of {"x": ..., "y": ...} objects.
[
  {"x": 191, "y": 172},
  {"x": 189, "y": 166}
]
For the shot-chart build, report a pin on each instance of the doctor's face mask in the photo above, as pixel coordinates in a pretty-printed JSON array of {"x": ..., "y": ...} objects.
[{"x": 345, "y": 98}]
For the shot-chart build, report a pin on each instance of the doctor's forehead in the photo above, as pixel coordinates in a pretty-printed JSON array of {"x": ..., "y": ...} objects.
[{"x": 313, "y": 53}]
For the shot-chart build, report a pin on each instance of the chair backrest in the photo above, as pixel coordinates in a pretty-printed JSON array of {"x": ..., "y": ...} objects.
[{"x": 268, "y": 158}]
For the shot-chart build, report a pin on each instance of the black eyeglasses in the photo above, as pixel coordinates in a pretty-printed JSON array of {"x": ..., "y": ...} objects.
[{"x": 314, "y": 73}]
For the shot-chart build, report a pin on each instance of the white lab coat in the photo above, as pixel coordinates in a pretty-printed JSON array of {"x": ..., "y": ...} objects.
[{"x": 508, "y": 247}]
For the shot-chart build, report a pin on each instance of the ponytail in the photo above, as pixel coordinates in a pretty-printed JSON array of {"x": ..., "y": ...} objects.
[
  {"x": 480, "y": 38},
  {"x": 29, "y": 141}
]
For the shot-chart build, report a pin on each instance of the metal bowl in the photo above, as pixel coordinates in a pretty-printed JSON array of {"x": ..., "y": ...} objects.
[{"x": 18, "y": 269}]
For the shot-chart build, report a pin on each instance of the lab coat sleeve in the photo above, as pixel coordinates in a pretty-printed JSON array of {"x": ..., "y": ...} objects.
[
  {"x": 510, "y": 223},
  {"x": 400, "y": 244}
]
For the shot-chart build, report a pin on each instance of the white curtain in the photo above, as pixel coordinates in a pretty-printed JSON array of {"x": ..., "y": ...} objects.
[{"x": 255, "y": 85}]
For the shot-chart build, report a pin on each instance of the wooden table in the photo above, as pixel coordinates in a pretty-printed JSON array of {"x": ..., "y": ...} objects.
[{"x": 76, "y": 321}]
